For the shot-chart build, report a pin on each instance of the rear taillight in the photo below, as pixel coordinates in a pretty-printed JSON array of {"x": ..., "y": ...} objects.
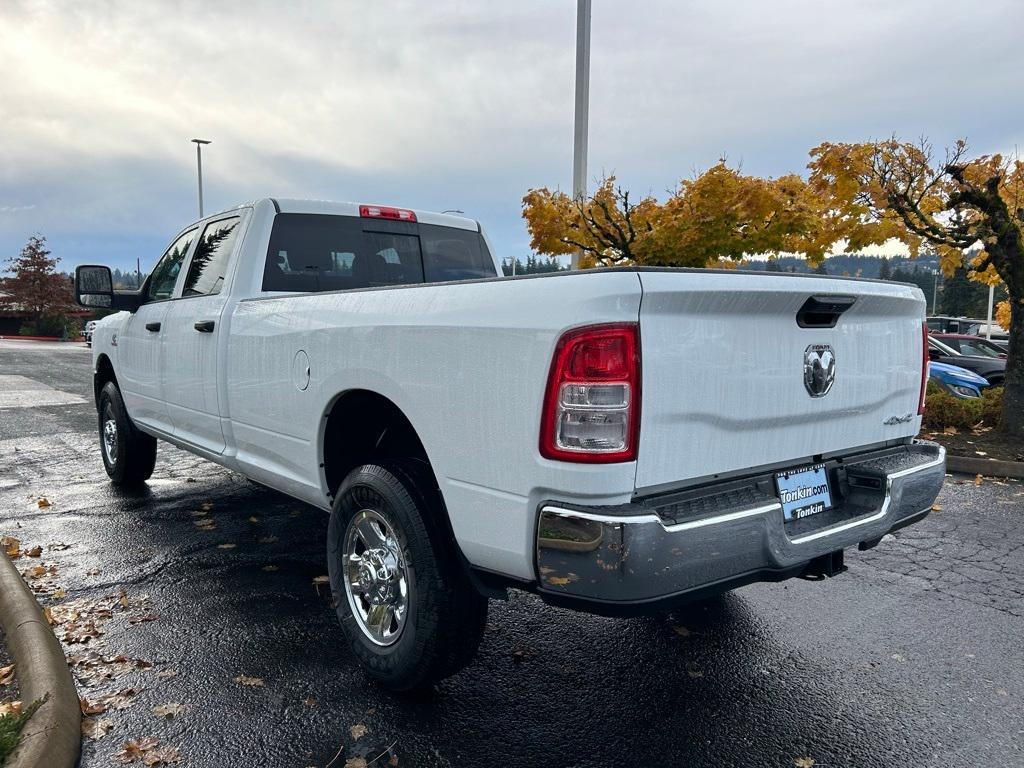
[
  {"x": 592, "y": 404},
  {"x": 924, "y": 367},
  {"x": 386, "y": 212}
]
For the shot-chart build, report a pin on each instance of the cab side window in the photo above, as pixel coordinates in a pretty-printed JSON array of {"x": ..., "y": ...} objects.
[
  {"x": 210, "y": 261},
  {"x": 165, "y": 273}
]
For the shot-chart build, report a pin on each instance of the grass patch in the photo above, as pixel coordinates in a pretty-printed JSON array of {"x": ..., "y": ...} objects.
[{"x": 11, "y": 725}]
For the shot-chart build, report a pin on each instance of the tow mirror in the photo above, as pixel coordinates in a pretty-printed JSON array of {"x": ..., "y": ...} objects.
[{"x": 94, "y": 288}]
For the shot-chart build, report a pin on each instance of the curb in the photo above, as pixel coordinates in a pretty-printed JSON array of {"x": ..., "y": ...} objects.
[
  {"x": 991, "y": 467},
  {"x": 52, "y": 737}
]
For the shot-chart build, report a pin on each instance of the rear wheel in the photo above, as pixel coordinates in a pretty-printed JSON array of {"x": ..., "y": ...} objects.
[
  {"x": 128, "y": 454},
  {"x": 407, "y": 610}
]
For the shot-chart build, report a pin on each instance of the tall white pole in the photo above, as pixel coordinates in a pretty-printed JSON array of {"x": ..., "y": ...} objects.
[
  {"x": 579, "y": 145},
  {"x": 199, "y": 168},
  {"x": 991, "y": 299}
]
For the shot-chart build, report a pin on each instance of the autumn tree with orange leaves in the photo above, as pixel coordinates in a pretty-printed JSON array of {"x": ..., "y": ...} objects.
[
  {"x": 876, "y": 191},
  {"x": 861, "y": 194},
  {"x": 717, "y": 218}
]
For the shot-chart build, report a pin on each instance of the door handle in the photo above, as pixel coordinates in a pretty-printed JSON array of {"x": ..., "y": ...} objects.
[
  {"x": 204, "y": 326},
  {"x": 153, "y": 327}
]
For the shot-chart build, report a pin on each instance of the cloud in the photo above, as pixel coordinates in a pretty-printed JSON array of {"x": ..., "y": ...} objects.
[{"x": 456, "y": 104}]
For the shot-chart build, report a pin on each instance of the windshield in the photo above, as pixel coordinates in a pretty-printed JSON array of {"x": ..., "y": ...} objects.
[{"x": 980, "y": 348}]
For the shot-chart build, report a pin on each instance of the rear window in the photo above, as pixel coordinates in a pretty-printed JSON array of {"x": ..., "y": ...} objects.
[{"x": 316, "y": 252}]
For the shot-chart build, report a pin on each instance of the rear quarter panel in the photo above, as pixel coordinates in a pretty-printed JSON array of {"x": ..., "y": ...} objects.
[{"x": 466, "y": 362}]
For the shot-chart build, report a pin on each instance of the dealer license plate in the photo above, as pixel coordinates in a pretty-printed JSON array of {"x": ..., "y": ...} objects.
[{"x": 803, "y": 492}]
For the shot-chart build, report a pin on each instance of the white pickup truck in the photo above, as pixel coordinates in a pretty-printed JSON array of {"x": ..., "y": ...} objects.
[{"x": 617, "y": 440}]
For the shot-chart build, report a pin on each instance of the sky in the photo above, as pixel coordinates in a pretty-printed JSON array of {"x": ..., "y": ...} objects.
[{"x": 457, "y": 105}]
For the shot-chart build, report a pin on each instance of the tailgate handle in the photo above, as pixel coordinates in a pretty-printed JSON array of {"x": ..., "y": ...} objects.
[{"x": 823, "y": 311}]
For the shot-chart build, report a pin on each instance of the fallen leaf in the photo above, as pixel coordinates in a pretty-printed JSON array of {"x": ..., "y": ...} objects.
[
  {"x": 206, "y": 506},
  {"x": 254, "y": 519},
  {"x": 44, "y": 502},
  {"x": 10, "y": 708},
  {"x": 270, "y": 568},
  {"x": 321, "y": 579},
  {"x": 355, "y": 762},
  {"x": 310, "y": 702},
  {"x": 59, "y": 593},
  {"x": 268, "y": 539},
  {"x": 96, "y": 729},
  {"x": 255, "y": 682},
  {"x": 36, "y": 551},
  {"x": 122, "y": 598},
  {"x": 163, "y": 756},
  {"x": 149, "y": 751},
  {"x": 7, "y": 675},
  {"x": 936, "y": 507},
  {"x": 803, "y": 762},
  {"x": 977, "y": 479},
  {"x": 681, "y": 631},
  {"x": 120, "y": 700},
  {"x": 91, "y": 707},
  {"x": 166, "y": 674},
  {"x": 357, "y": 731},
  {"x": 58, "y": 546},
  {"x": 226, "y": 546},
  {"x": 206, "y": 524},
  {"x": 170, "y": 709},
  {"x": 558, "y": 581},
  {"x": 981, "y": 453},
  {"x": 12, "y": 546},
  {"x": 949, "y": 431},
  {"x": 695, "y": 673}
]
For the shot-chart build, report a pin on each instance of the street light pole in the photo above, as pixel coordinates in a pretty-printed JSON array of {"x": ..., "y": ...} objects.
[
  {"x": 579, "y": 146},
  {"x": 199, "y": 167},
  {"x": 935, "y": 293},
  {"x": 991, "y": 299}
]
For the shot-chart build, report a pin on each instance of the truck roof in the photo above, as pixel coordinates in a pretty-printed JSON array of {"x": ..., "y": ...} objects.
[{"x": 339, "y": 208}]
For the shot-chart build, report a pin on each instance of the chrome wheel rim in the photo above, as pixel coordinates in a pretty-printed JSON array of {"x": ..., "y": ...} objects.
[
  {"x": 109, "y": 436},
  {"x": 376, "y": 577}
]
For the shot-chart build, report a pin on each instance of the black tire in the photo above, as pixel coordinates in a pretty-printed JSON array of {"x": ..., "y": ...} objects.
[
  {"x": 131, "y": 458},
  {"x": 444, "y": 615}
]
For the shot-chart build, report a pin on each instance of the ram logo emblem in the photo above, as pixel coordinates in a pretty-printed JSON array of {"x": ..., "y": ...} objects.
[{"x": 819, "y": 369}]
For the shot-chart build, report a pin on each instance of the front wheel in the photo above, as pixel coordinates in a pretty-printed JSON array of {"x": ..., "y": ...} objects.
[
  {"x": 128, "y": 454},
  {"x": 407, "y": 610}
]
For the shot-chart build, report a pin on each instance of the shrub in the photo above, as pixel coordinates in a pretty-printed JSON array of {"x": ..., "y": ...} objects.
[
  {"x": 943, "y": 410},
  {"x": 61, "y": 326}
]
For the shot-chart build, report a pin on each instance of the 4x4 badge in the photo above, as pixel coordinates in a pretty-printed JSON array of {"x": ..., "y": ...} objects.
[{"x": 819, "y": 369}]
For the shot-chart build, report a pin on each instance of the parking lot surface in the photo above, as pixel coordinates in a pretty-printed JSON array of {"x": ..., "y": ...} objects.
[{"x": 201, "y": 591}]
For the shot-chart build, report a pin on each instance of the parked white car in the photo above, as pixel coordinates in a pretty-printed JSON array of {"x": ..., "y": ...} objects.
[
  {"x": 87, "y": 330},
  {"x": 616, "y": 440}
]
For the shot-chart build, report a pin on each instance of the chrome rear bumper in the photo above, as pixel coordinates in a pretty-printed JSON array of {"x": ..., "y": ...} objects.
[{"x": 734, "y": 532}]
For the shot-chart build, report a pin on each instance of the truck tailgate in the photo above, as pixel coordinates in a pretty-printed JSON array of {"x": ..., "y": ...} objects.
[{"x": 723, "y": 386}]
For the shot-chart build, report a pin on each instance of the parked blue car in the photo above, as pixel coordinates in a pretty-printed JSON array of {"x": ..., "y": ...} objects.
[{"x": 955, "y": 380}]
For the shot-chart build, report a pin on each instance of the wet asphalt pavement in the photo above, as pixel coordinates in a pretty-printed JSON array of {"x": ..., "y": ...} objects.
[{"x": 914, "y": 657}]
